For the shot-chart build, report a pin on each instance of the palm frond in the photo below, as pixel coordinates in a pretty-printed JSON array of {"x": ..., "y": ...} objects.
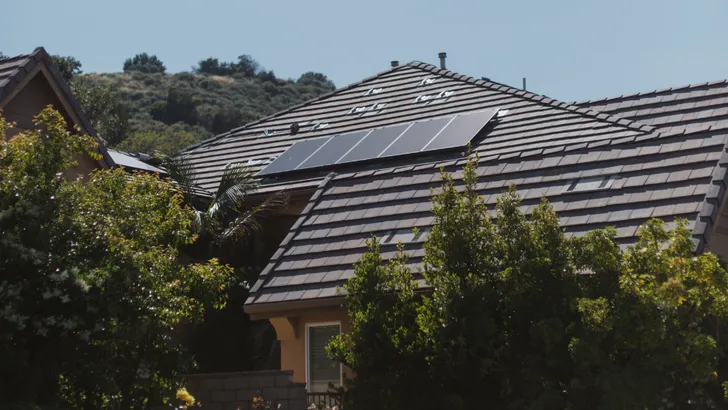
[
  {"x": 180, "y": 170},
  {"x": 237, "y": 182},
  {"x": 248, "y": 220}
]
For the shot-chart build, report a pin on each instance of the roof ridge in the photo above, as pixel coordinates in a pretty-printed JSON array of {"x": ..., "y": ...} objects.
[
  {"x": 630, "y": 124},
  {"x": 295, "y": 107},
  {"x": 651, "y": 92}
]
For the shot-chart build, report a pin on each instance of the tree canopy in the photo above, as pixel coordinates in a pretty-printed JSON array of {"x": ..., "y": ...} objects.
[
  {"x": 516, "y": 315},
  {"x": 68, "y": 66},
  {"x": 181, "y": 109},
  {"x": 92, "y": 290},
  {"x": 144, "y": 63}
]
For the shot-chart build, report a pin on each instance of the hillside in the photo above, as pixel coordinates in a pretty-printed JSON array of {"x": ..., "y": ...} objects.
[{"x": 145, "y": 109}]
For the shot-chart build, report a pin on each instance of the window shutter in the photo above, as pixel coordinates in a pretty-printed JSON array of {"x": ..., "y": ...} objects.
[{"x": 322, "y": 370}]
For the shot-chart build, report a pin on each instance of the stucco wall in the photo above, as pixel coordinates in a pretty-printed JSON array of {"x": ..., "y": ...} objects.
[{"x": 293, "y": 346}]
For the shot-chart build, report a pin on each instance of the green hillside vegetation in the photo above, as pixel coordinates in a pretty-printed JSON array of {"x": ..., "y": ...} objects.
[{"x": 145, "y": 109}]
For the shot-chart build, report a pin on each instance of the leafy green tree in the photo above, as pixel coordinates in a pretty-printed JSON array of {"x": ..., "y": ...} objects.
[
  {"x": 168, "y": 142},
  {"x": 180, "y": 106},
  {"x": 229, "y": 214},
  {"x": 144, "y": 63},
  {"x": 68, "y": 66},
  {"x": 109, "y": 117},
  {"x": 516, "y": 315},
  {"x": 312, "y": 78},
  {"x": 246, "y": 65},
  {"x": 91, "y": 288}
]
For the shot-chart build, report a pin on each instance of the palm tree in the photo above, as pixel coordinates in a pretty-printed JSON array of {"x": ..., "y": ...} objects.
[{"x": 230, "y": 214}]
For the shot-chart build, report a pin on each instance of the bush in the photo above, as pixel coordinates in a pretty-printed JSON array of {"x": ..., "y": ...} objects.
[{"x": 519, "y": 316}]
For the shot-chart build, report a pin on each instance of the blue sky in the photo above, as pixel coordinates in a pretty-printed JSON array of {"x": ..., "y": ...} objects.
[{"x": 569, "y": 50}]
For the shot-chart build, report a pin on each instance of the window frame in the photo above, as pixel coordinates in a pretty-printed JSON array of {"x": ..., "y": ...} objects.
[{"x": 308, "y": 353}]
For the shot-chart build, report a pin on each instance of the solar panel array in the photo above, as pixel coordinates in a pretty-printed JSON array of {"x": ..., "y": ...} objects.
[{"x": 450, "y": 132}]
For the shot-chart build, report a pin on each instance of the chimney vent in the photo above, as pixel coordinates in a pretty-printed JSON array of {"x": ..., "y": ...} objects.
[
  {"x": 395, "y": 63},
  {"x": 442, "y": 56}
]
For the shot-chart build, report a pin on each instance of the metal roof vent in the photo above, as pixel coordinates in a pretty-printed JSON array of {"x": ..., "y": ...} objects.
[
  {"x": 319, "y": 125},
  {"x": 294, "y": 128},
  {"x": 442, "y": 56},
  {"x": 442, "y": 96},
  {"x": 591, "y": 184},
  {"x": 363, "y": 109},
  {"x": 373, "y": 91},
  {"x": 503, "y": 113},
  {"x": 427, "y": 81},
  {"x": 395, "y": 63}
]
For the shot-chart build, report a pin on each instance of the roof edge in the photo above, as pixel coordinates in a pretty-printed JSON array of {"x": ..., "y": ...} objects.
[
  {"x": 283, "y": 247},
  {"x": 649, "y": 93},
  {"x": 42, "y": 55},
  {"x": 714, "y": 200}
]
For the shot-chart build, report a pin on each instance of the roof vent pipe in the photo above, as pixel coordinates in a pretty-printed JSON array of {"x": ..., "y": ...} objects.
[
  {"x": 442, "y": 56},
  {"x": 524, "y": 83},
  {"x": 395, "y": 63}
]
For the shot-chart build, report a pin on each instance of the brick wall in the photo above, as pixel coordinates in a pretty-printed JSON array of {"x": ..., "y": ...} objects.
[{"x": 235, "y": 391}]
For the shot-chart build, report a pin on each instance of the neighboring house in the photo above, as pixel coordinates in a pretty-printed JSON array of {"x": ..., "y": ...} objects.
[
  {"x": 615, "y": 162},
  {"x": 29, "y": 83}
]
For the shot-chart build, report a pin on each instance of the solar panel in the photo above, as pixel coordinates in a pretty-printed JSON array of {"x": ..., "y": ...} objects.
[
  {"x": 337, "y": 146},
  {"x": 371, "y": 146},
  {"x": 461, "y": 130},
  {"x": 416, "y": 137},
  {"x": 294, "y": 156},
  {"x": 453, "y": 131}
]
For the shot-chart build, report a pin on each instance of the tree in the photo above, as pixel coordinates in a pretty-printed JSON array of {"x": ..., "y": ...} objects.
[
  {"x": 318, "y": 79},
  {"x": 150, "y": 142},
  {"x": 144, "y": 63},
  {"x": 246, "y": 65},
  {"x": 230, "y": 214},
  {"x": 109, "y": 117},
  {"x": 91, "y": 288},
  {"x": 68, "y": 66},
  {"x": 516, "y": 315}
]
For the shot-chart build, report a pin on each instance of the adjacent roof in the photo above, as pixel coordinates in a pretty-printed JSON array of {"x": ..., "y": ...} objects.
[
  {"x": 669, "y": 170},
  {"x": 128, "y": 160},
  {"x": 13, "y": 70}
]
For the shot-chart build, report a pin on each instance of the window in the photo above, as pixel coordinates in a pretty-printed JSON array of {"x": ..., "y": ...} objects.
[{"x": 319, "y": 368}]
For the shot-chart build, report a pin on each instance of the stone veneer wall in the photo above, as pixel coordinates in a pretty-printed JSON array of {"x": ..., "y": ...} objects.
[{"x": 235, "y": 391}]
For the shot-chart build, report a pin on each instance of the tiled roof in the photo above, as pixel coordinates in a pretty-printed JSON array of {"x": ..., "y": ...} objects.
[
  {"x": 680, "y": 108},
  {"x": 534, "y": 123},
  {"x": 680, "y": 176},
  {"x": 667, "y": 168},
  {"x": 13, "y": 71}
]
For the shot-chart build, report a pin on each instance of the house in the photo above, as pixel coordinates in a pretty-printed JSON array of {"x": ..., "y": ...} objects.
[
  {"x": 361, "y": 161},
  {"x": 29, "y": 83}
]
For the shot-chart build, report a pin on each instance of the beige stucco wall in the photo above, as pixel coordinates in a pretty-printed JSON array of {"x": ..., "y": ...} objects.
[{"x": 291, "y": 332}]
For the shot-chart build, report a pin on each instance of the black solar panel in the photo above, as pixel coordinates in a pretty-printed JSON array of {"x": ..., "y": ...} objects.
[
  {"x": 461, "y": 130},
  {"x": 450, "y": 132},
  {"x": 416, "y": 137},
  {"x": 294, "y": 156},
  {"x": 334, "y": 149},
  {"x": 373, "y": 144}
]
